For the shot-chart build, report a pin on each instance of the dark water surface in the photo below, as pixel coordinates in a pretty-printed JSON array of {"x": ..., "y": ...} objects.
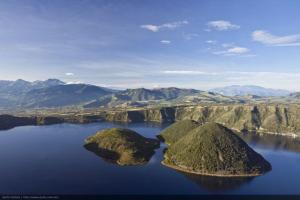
[{"x": 52, "y": 160}]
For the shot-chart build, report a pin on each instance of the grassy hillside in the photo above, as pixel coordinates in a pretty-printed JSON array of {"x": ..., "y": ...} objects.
[
  {"x": 122, "y": 146},
  {"x": 177, "y": 130},
  {"x": 213, "y": 149}
]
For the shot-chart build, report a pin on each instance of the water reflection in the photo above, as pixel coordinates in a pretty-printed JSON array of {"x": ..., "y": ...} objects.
[
  {"x": 106, "y": 155},
  {"x": 113, "y": 157},
  {"x": 275, "y": 142},
  {"x": 217, "y": 184}
]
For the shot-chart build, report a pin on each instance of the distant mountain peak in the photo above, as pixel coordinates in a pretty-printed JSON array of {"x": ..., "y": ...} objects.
[
  {"x": 21, "y": 80},
  {"x": 244, "y": 90},
  {"x": 51, "y": 80}
]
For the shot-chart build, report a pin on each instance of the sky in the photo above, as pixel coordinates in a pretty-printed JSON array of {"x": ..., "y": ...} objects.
[{"x": 198, "y": 44}]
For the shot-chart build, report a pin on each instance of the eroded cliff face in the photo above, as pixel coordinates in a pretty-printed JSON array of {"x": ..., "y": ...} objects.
[
  {"x": 276, "y": 119},
  {"x": 10, "y": 121},
  {"x": 284, "y": 119},
  {"x": 155, "y": 115},
  {"x": 48, "y": 120}
]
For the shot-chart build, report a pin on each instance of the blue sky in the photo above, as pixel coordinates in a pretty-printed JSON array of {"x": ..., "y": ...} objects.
[{"x": 145, "y": 43}]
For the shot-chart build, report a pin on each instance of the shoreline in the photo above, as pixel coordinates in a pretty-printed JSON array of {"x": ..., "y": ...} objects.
[
  {"x": 39, "y": 120},
  {"x": 207, "y": 174},
  {"x": 261, "y": 132}
]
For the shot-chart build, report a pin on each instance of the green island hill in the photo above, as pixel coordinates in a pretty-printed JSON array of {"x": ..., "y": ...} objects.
[
  {"x": 177, "y": 130},
  {"x": 214, "y": 150},
  {"x": 122, "y": 146}
]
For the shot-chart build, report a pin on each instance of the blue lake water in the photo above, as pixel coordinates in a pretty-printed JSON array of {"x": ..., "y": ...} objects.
[{"x": 52, "y": 160}]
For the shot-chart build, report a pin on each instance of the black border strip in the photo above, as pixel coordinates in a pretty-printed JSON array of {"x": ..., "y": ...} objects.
[{"x": 153, "y": 197}]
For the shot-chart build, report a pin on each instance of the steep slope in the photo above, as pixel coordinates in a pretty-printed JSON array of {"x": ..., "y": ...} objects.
[
  {"x": 207, "y": 97},
  {"x": 46, "y": 83},
  {"x": 174, "y": 93},
  {"x": 279, "y": 119},
  {"x": 142, "y": 94},
  {"x": 63, "y": 95},
  {"x": 212, "y": 149},
  {"x": 20, "y": 86},
  {"x": 14, "y": 87},
  {"x": 9, "y": 121},
  {"x": 264, "y": 118},
  {"x": 177, "y": 130},
  {"x": 11, "y": 92}
]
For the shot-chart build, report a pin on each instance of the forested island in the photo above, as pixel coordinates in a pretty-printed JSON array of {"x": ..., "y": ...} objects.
[{"x": 210, "y": 149}]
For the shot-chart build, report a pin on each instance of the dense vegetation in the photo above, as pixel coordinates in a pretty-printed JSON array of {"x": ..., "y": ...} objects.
[
  {"x": 122, "y": 146},
  {"x": 213, "y": 149},
  {"x": 177, "y": 130}
]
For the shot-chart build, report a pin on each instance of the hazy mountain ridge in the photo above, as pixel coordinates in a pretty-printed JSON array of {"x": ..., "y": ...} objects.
[
  {"x": 63, "y": 95},
  {"x": 244, "y": 90},
  {"x": 142, "y": 94},
  {"x": 295, "y": 95},
  {"x": 22, "y": 86},
  {"x": 12, "y": 92},
  {"x": 53, "y": 93}
]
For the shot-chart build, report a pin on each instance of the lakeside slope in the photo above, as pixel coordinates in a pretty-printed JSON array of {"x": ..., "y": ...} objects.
[{"x": 275, "y": 119}]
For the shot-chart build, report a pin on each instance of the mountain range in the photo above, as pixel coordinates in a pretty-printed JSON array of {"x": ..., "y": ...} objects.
[
  {"x": 244, "y": 90},
  {"x": 22, "y": 86},
  {"x": 54, "y": 93}
]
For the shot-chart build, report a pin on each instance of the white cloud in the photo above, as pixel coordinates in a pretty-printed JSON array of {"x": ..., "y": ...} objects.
[
  {"x": 227, "y": 45},
  {"x": 150, "y": 27},
  {"x": 171, "y": 25},
  {"x": 232, "y": 51},
  {"x": 69, "y": 74},
  {"x": 190, "y": 36},
  {"x": 165, "y": 41},
  {"x": 211, "y": 42},
  {"x": 221, "y": 25},
  {"x": 188, "y": 72},
  {"x": 238, "y": 50},
  {"x": 273, "y": 40},
  {"x": 75, "y": 82},
  {"x": 288, "y": 45},
  {"x": 174, "y": 24}
]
